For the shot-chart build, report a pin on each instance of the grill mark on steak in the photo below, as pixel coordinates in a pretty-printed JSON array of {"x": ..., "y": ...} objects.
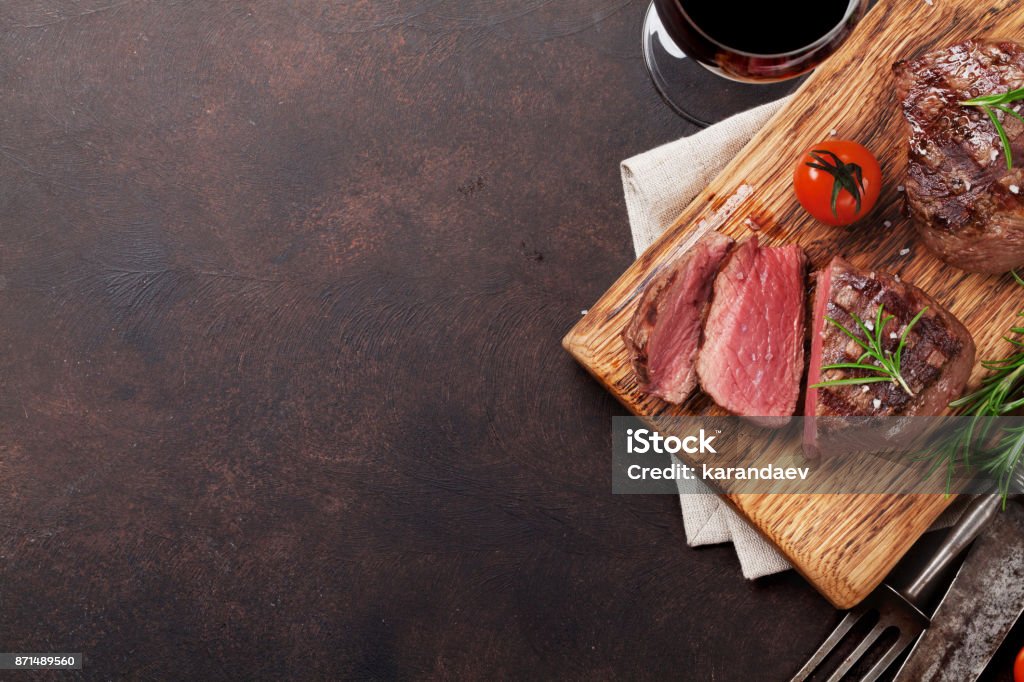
[
  {"x": 939, "y": 349},
  {"x": 958, "y": 189},
  {"x": 936, "y": 361}
]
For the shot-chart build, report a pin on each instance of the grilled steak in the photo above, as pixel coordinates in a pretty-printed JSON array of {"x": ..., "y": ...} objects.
[
  {"x": 965, "y": 203},
  {"x": 663, "y": 336},
  {"x": 935, "y": 363},
  {"x": 753, "y": 352}
]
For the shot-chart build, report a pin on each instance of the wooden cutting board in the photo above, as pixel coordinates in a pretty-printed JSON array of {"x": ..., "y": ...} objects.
[{"x": 843, "y": 544}]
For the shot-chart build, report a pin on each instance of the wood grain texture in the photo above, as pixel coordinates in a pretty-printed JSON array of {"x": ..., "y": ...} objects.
[{"x": 843, "y": 544}]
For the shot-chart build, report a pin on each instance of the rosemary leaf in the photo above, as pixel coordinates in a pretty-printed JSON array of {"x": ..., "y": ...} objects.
[
  {"x": 998, "y": 98},
  {"x": 852, "y": 381},
  {"x": 1002, "y": 135},
  {"x": 1001, "y": 393},
  {"x": 1010, "y": 112},
  {"x": 886, "y": 365},
  {"x": 988, "y": 103}
]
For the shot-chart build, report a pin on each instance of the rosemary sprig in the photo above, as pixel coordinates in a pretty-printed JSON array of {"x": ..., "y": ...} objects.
[
  {"x": 875, "y": 358},
  {"x": 848, "y": 176},
  {"x": 1001, "y": 394},
  {"x": 988, "y": 104}
]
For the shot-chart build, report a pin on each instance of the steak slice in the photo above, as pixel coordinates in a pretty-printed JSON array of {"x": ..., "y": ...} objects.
[
  {"x": 753, "y": 353},
  {"x": 663, "y": 336},
  {"x": 936, "y": 361},
  {"x": 966, "y": 205}
]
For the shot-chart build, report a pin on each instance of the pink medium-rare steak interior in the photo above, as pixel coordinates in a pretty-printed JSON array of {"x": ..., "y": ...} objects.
[
  {"x": 936, "y": 360},
  {"x": 823, "y": 284},
  {"x": 665, "y": 331},
  {"x": 751, "y": 362}
]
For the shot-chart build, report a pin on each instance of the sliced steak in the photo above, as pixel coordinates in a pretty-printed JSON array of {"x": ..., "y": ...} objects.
[
  {"x": 753, "y": 352},
  {"x": 936, "y": 361},
  {"x": 966, "y": 205},
  {"x": 663, "y": 336}
]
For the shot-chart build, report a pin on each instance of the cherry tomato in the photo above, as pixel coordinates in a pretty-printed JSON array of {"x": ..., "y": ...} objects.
[
  {"x": 837, "y": 181},
  {"x": 1018, "y": 667}
]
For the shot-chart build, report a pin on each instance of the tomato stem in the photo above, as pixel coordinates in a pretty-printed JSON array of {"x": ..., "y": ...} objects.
[{"x": 848, "y": 176}]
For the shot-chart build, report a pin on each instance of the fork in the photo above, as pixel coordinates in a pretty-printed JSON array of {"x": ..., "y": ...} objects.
[{"x": 903, "y": 609}]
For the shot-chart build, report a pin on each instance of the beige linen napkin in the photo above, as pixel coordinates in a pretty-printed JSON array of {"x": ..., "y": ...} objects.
[{"x": 658, "y": 185}]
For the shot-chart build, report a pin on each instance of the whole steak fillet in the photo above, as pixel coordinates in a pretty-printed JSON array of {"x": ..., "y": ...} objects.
[
  {"x": 936, "y": 361},
  {"x": 752, "y": 358},
  {"x": 966, "y": 205},
  {"x": 663, "y": 336}
]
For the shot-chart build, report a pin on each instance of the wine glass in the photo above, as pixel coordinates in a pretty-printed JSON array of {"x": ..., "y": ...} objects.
[{"x": 710, "y": 59}]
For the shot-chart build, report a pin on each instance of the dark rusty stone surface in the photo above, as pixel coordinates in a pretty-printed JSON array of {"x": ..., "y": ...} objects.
[{"x": 281, "y": 293}]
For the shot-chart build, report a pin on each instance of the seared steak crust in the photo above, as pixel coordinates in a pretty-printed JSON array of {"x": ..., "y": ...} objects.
[
  {"x": 936, "y": 361},
  {"x": 663, "y": 336},
  {"x": 966, "y": 205}
]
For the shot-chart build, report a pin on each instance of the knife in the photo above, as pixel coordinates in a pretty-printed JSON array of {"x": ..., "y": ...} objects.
[{"x": 984, "y": 601}]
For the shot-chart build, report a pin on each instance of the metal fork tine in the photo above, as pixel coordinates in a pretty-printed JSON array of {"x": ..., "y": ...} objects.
[
  {"x": 899, "y": 646},
  {"x": 829, "y": 644},
  {"x": 899, "y": 608},
  {"x": 861, "y": 649}
]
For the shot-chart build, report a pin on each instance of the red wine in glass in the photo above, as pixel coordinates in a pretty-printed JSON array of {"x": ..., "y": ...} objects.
[{"x": 749, "y": 41}]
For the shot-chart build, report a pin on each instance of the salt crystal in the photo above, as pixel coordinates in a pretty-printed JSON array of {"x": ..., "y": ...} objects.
[
  {"x": 877, "y": 403},
  {"x": 896, "y": 277},
  {"x": 928, "y": 2},
  {"x": 864, "y": 388},
  {"x": 886, "y": 223},
  {"x": 1015, "y": 189},
  {"x": 870, "y": 325},
  {"x": 993, "y": 155},
  {"x": 904, "y": 252},
  {"x": 967, "y": 185},
  {"x": 893, "y": 335},
  {"x": 584, "y": 312},
  {"x": 900, "y": 188},
  {"x": 833, "y": 132}
]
